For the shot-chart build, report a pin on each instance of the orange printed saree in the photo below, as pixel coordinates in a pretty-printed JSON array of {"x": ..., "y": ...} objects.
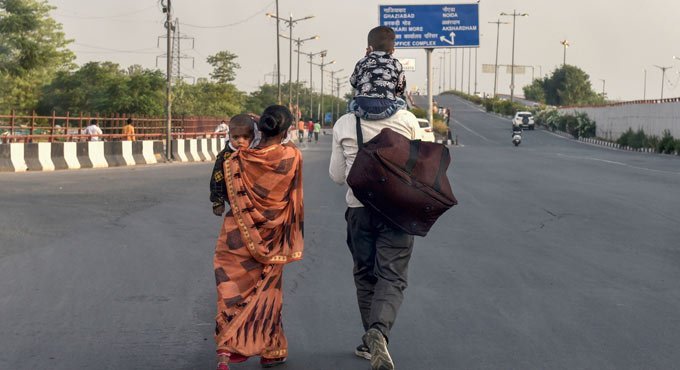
[{"x": 262, "y": 232}]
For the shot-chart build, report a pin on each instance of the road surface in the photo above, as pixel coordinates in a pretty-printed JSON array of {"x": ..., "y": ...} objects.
[{"x": 561, "y": 255}]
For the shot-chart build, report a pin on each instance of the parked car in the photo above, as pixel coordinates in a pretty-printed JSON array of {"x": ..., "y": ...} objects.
[
  {"x": 425, "y": 132},
  {"x": 524, "y": 120}
]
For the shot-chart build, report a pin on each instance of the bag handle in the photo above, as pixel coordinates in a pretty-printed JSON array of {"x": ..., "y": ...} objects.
[
  {"x": 360, "y": 135},
  {"x": 414, "y": 147},
  {"x": 442, "y": 169}
]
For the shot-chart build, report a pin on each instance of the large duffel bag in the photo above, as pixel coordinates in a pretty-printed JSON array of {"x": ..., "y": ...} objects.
[{"x": 403, "y": 180}]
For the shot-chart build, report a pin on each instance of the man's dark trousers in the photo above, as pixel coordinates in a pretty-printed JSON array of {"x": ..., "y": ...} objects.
[{"x": 381, "y": 254}]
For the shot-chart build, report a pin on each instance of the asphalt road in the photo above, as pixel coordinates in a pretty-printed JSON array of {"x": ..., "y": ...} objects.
[{"x": 561, "y": 255}]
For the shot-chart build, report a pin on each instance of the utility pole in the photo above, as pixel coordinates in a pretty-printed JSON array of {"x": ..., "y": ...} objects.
[
  {"x": 322, "y": 65},
  {"x": 566, "y": 44},
  {"x": 338, "y": 86},
  {"x": 333, "y": 79},
  {"x": 663, "y": 76},
  {"x": 514, "y": 16},
  {"x": 299, "y": 42},
  {"x": 291, "y": 23},
  {"x": 311, "y": 86},
  {"x": 603, "y": 90},
  {"x": 167, "y": 9},
  {"x": 498, "y": 36}
]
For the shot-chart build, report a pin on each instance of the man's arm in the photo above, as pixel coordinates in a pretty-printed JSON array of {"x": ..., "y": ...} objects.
[{"x": 338, "y": 164}]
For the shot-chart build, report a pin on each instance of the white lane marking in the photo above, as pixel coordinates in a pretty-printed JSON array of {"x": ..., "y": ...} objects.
[
  {"x": 615, "y": 163},
  {"x": 472, "y": 131}
]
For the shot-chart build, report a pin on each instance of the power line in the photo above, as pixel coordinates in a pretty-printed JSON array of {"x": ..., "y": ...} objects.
[
  {"x": 114, "y": 50},
  {"x": 105, "y": 17},
  {"x": 232, "y": 24}
]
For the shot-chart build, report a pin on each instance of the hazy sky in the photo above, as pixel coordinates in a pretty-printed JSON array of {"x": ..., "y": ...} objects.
[{"x": 614, "y": 40}]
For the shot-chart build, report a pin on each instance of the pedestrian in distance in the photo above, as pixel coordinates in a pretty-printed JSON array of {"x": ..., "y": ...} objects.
[
  {"x": 93, "y": 131},
  {"x": 261, "y": 233},
  {"x": 222, "y": 129},
  {"x": 129, "y": 131},
  {"x": 380, "y": 251},
  {"x": 310, "y": 130},
  {"x": 243, "y": 134},
  {"x": 301, "y": 130},
  {"x": 317, "y": 131}
]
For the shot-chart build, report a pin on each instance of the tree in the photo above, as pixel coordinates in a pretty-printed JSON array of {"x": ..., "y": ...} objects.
[
  {"x": 105, "y": 88},
  {"x": 570, "y": 85},
  {"x": 208, "y": 99},
  {"x": 536, "y": 91},
  {"x": 224, "y": 66},
  {"x": 32, "y": 50}
]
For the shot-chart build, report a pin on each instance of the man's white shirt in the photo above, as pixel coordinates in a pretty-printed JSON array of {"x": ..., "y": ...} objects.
[{"x": 345, "y": 145}]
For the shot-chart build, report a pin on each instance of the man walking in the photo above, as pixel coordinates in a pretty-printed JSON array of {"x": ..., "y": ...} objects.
[{"x": 380, "y": 251}]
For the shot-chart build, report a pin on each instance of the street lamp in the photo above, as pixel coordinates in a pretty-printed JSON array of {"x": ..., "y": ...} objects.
[
  {"x": 291, "y": 23},
  {"x": 333, "y": 87},
  {"x": 603, "y": 91},
  {"x": 566, "y": 44},
  {"x": 514, "y": 16},
  {"x": 311, "y": 86},
  {"x": 299, "y": 42},
  {"x": 498, "y": 36},
  {"x": 322, "y": 65},
  {"x": 663, "y": 76}
]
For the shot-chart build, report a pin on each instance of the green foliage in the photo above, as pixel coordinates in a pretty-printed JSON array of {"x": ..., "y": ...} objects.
[
  {"x": 667, "y": 144},
  {"x": 105, "y": 88},
  {"x": 32, "y": 50},
  {"x": 440, "y": 127},
  {"x": 419, "y": 113},
  {"x": 507, "y": 108},
  {"x": 568, "y": 85},
  {"x": 536, "y": 91},
  {"x": 224, "y": 66},
  {"x": 266, "y": 95},
  {"x": 208, "y": 99}
]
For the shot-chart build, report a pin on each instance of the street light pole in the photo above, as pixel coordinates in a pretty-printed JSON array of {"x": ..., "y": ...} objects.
[
  {"x": 291, "y": 23},
  {"x": 564, "y": 43},
  {"x": 299, "y": 42},
  {"x": 514, "y": 16},
  {"x": 322, "y": 65},
  {"x": 476, "y": 65},
  {"x": 311, "y": 86},
  {"x": 333, "y": 79},
  {"x": 495, "y": 73},
  {"x": 603, "y": 85},
  {"x": 663, "y": 76},
  {"x": 168, "y": 88}
]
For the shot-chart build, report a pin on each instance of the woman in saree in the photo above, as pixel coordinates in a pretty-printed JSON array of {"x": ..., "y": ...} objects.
[{"x": 261, "y": 233}]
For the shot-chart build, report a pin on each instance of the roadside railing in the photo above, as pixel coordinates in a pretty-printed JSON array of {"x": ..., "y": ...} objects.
[{"x": 35, "y": 128}]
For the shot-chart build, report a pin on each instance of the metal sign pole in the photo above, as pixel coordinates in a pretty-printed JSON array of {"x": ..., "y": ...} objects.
[{"x": 430, "y": 105}]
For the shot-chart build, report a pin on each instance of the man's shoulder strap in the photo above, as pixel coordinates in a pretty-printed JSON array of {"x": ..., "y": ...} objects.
[{"x": 360, "y": 135}]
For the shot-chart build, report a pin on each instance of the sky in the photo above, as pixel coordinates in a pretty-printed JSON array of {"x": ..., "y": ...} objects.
[{"x": 611, "y": 40}]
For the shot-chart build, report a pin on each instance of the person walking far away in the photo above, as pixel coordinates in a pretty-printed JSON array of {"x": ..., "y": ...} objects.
[
  {"x": 93, "y": 130},
  {"x": 301, "y": 130},
  {"x": 310, "y": 130},
  {"x": 380, "y": 251},
  {"x": 260, "y": 234},
  {"x": 317, "y": 131},
  {"x": 129, "y": 131},
  {"x": 222, "y": 128}
]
